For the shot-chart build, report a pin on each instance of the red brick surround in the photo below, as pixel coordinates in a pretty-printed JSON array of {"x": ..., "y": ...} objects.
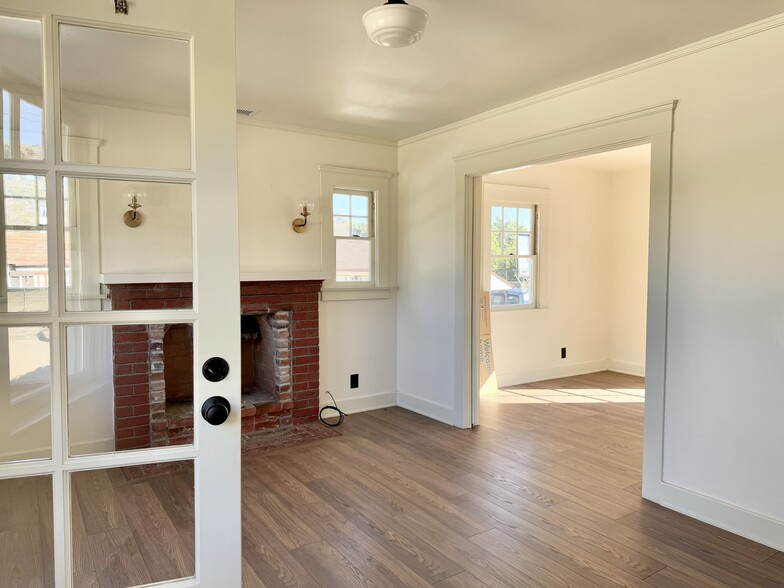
[{"x": 139, "y": 378}]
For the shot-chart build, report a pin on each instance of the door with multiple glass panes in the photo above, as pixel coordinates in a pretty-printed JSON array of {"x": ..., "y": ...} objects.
[{"x": 119, "y": 280}]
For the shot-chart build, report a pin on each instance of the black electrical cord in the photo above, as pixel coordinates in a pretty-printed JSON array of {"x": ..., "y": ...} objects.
[{"x": 331, "y": 422}]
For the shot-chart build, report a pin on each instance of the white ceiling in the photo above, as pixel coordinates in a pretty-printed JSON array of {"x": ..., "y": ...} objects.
[
  {"x": 619, "y": 160},
  {"x": 309, "y": 63}
]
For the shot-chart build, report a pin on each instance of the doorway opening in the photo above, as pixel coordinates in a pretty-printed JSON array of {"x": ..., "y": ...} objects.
[{"x": 563, "y": 275}]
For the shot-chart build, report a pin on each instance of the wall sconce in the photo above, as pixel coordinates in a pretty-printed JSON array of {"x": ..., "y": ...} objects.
[
  {"x": 307, "y": 207},
  {"x": 133, "y": 218}
]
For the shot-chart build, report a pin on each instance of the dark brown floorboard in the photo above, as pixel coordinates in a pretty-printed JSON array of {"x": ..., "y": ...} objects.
[{"x": 540, "y": 495}]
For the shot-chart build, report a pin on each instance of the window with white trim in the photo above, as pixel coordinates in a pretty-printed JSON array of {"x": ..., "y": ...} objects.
[
  {"x": 514, "y": 255},
  {"x": 358, "y": 246},
  {"x": 353, "y": 232}
]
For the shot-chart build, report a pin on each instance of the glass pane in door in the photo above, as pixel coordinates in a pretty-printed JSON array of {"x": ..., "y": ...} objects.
[
  {"x": 133, "y": 525},
  {"x": 125, "y": 98},
  {"x": 129, "y": 387},
  {"x": 24, "y": 260},
  {"x": 21, "y": 84},
  {"x": 26, "y": 532},
  {"x": 128, "y": 245},
  {"x": 25, "y": 394}
]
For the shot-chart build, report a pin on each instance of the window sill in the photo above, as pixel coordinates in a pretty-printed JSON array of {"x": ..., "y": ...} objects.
[
  {"x": 525, "y": 313},
  {"x": 354, "y": 293}
]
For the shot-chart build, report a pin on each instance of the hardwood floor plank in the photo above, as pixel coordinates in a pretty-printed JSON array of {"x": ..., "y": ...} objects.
[
  {"x": 605, "y": 563},
  {"x": 462, "y": 580},
  {"x": 46, "y": 526},
  {"x": 666, "y": 549},
  {"x": 545, "y": 570},
  {"x": 176, "y": 494},
  {"x": 413, "y": 551},
  {"x": 706, "y": 548},
  {"x": 733, "y": 546},
  {"x": 268, "y": 474},
  {"x": 378, "y": 565},
  {"x": 284, "y": 524},
  {"x": 439, "y": 507},
  {"x": 674, "y": 578},
  {"x": 272, "y": 563},
  {"x": 163, "y": 550},
  {"x": 118, "y": 561},
  {"x": 332, "y": 568},
  {"x": 86, "y": 581},
  {"x": 83, "y": 563},
  {"x": 405, "y": 463},
  {"x": 100, "y": 508},
  {"x": 20, "y": 558}
]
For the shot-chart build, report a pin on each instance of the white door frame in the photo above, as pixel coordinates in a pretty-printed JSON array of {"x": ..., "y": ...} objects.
[
  {"x": 647, "y": 125},
  {"x": 210, "y": 28}
]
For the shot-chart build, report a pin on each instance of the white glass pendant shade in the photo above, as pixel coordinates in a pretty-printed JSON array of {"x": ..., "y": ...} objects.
[{"x": 395, "y": 24}]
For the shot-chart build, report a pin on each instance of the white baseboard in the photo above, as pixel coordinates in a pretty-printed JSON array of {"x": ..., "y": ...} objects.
[
  {"x": 746, "y": 523},
  {"x": 565, "y": 371},
  {"x": 439, "y": 412},
  {"x": 364, "y": 403},
  {"x": 622, "y": 367},
  {"x": 25, "y": 454},
  {"x": 93, "y": 446}
]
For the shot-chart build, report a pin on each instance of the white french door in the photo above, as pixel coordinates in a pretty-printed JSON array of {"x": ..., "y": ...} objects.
[{"x": 119, "y": 281}]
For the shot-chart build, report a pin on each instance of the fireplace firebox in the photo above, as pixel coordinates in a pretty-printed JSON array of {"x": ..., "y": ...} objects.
[{"x": 279, "y": 361}]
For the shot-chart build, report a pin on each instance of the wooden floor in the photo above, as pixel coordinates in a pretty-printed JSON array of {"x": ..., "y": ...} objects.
[{"x": 541, "y": 494}]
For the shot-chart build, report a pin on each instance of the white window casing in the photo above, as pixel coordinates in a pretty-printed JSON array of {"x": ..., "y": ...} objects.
[{"x": 379, "y": 185}]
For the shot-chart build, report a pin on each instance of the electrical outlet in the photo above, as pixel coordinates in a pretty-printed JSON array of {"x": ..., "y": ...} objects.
[
  {"x": 563, "y": 352},
  {"x": 354, "y": 381}
]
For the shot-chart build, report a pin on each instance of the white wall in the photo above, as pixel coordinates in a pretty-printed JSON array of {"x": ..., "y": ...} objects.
[
  {"x": 725, "y": 332},
  {"x": 277, "y": 169},
  {"x": 629, "y": 205}
]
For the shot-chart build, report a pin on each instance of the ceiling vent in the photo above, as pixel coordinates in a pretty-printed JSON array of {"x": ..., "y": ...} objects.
[{"x": 246, "y": 113}]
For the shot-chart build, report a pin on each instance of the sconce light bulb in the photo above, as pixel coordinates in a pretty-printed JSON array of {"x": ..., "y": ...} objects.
[
  {"x": 306, "y": 209},
  {"x": 133, "y": 218}
]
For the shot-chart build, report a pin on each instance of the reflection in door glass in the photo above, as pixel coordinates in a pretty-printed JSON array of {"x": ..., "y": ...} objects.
[
  {"x": 134, "y": 525},
  {"x": 116, "y": 231},
  {"x": 27, "y": 535},
  {"x": 129, "y": 387},
  {"x": 24, "y": 279},
  {"x": 25, "y": 394},
  {"x": 132, "y": 109},
  {"x": 21, "y": 83}
]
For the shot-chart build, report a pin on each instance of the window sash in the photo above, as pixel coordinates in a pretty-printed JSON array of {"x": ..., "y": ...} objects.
[
  {"x": 508, "y": 238},
  {"x": 345, "y": 271}
]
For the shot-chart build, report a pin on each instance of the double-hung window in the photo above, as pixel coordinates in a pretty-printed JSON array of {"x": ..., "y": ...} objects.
[
  {"x": 352, "y": 230},
  {"x": 514, "y": 255},
  {"x": 359, "y": 224}
]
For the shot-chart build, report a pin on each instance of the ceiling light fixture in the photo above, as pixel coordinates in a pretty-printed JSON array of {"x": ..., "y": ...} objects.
[{"x": 395, "y": 24}]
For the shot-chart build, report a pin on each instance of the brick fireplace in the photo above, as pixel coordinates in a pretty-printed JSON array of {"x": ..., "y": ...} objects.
[{"x": 153, "y": 364}]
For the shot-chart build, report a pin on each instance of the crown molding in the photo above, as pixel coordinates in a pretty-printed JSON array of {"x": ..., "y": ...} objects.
[
  {"x": 668, "y": 106},
  {"x": 335, "y": 169},
  {"x": 703, "y": 45},
  {"x": 126, "y": 104},
  {"x": 265, "y": 124},
  {"x": 515, "y": 188}
]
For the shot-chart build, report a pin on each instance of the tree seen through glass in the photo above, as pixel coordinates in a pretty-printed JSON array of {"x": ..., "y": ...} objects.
[{"x": 512, "y": 247}]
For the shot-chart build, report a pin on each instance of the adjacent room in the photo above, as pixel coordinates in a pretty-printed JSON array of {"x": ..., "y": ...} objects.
[{"x": 565, "y": 263}]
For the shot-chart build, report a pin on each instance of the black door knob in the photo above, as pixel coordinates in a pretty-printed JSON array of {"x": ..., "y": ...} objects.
[
  {"x": 216, "y": 410},
  {"x": 215, "y": 369}
]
